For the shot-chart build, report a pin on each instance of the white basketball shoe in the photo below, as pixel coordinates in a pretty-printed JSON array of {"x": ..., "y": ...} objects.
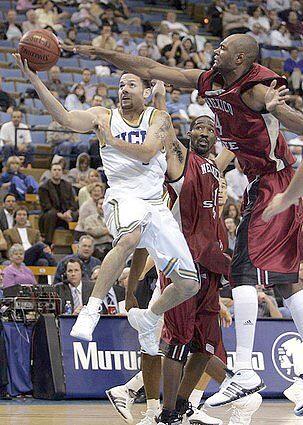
[
  {"x": 147, "y": 330},
  {"x": 149, "y": 417},
  {"x": 122, "y": 401},
  {"x": 244, "y": 409},
  {"x": 85, "y": 325},
  {"x": 242, "y": 383},
  {"x": 200, "y": 417},
  {"x": 295, "y": 394}
]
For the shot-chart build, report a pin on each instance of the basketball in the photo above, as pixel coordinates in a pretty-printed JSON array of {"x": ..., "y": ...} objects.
[{"x": 40, "y": 48}]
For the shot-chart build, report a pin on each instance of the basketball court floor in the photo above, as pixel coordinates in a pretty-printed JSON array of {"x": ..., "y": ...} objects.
[{"x": 37, "y": 412}]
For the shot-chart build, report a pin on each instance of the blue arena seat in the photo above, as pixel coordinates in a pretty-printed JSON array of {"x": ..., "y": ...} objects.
[
  {"x": 11, "y": 73},
  {"x": 42, "y": 120},
  {"x": 8, "y": 86},
  {"x": 38, "y": 137},
  {"x": 4, "y": 117}
]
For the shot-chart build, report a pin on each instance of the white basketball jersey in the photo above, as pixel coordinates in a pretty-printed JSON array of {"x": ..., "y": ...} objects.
[{"x": 127, "y": 176}]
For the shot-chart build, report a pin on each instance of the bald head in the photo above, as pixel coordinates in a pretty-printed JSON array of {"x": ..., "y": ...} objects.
[{"x": 245, "y": 44}]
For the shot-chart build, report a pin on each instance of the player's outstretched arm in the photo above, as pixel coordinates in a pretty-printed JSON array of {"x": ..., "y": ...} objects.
[
  {"x": 145, "y": 68},
  {"x": 274, "y": 101},
  {"x": 224, "y": 159},
  {"x": 160, "y": 131},
  {"x": 81, "y": 121},
  {"x": 284, "y": 200}
]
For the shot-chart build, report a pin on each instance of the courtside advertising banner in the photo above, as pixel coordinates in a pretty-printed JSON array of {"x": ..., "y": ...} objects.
[{"x": 113, "y": 357}]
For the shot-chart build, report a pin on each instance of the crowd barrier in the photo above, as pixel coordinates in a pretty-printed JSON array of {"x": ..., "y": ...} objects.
[{"x": 113, "y": 357}]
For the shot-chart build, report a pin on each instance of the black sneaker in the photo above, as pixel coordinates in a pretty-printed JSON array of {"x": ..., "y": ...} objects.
[{"x": 169, "y": 418}]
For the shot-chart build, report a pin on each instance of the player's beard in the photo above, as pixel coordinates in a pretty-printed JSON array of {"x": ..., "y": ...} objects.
[{"x": 200, "y": 149}]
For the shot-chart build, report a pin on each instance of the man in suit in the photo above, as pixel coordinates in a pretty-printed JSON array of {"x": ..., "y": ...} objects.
[
  {"x": 74, "y": 288},
  {"x": 57, "y": 202},
  {"x": 37, "y": 253},
  {"x": 7, "y": 212}
]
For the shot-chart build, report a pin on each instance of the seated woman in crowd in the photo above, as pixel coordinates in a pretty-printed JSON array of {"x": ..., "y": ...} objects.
[
  {"x": 78, "y": 176},
  {"x": 83, "y": 195},
  {"x": 89, "y": 207},
  {"x": 17, "y": 273},
  {"x": 16, "y": 182},
  {"x": 232, "y": 211},
  {"x": 94, "y": 225}
]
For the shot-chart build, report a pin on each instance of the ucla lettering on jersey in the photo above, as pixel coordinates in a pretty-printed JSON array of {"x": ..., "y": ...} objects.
[{"x": 127, "y": 176}]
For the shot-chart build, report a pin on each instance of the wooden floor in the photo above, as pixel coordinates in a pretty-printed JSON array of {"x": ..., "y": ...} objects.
[{"x": 33, "y": 412}]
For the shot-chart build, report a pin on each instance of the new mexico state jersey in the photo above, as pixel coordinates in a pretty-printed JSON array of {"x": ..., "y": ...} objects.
[
  {"x": 130, "y": 177},
  {"x": 254, "y": 137}
]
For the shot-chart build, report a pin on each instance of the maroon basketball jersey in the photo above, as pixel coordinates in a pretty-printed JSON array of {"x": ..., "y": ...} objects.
[
  {"x": 254, "y": 137},
  {"x": 195, "y": 207}
]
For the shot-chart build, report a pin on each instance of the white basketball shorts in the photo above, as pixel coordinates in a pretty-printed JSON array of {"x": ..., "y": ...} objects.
[{"x": 160, "y": 233}]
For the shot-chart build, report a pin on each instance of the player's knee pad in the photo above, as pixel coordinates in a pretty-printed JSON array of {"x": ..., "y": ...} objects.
[{"x": 179, "y": 352}]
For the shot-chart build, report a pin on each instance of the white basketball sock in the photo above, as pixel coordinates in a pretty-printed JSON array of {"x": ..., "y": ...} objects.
[
  {"x": 295, "y": 305},
  {"x": 195, "y": 397},
  {"x": 135, "y": 383},
  {"x": 93, "y": 305},
  {"x": 153, "y": 405},
  {"x": 246, "y": 311}
]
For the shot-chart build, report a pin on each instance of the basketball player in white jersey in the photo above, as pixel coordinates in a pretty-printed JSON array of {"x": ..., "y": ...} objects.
[{"x": 133, "y": 140}]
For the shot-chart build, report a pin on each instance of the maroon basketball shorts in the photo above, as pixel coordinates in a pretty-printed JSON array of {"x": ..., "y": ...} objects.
[
  {"x": 267, "y": 253},
  {"x": 194, "y": 326}
]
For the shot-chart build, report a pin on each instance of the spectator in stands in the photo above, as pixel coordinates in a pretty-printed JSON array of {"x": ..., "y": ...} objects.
[
  {"x": 78, "y": 175},
  {"x": 173, "y": 25},
  {"x": 175, "y": 107},
  {"x": 231, "y": 210},
  {"x": 48, "y": 15},
  {"x": 103, "y": 99},
  {"x": 267, "y": 305},
  {"x": 10, "y": 30},
  {"x": 76, "y": 100},
  {"x": 234, "y": 21},
  {"x": 295, "y": 26},
  {"x": 24, "y": 5},
  {"x": 259, "y": 17},
  {"x": 108, "y": 18},
  {"x": 84, "y": 195},
  {"x": 164, "y": 36},
  {"x": 36, "y": 252},
  {"x": 63, "y": 141},
  {"x": 197, "y": 39},
  {"x": 236, "y": 183},
  {"x": 16, "y": 182},
  {"x": 274, "y": 20},
  {"x": 74, "y": 287},
  {"x": 89, "y": 207},
  {"x": 127, "y": 43},
  {"x": 85, "y": 19},
  {"x": 7, "y": 212},
  {"x": 9, "y": 132},
  {"x": 294, "y": 6},
  {"x": 258, "y": 33},
  {"x": 54, "y": 83},
  {"x": 123, "y": 15},
  {"x": 89, "y": 87},
  {"x": 17, "y": 273},
  {"x": 215, "y": 15},
  {"x": 57, "y": 159},
  {"x": 173, "y": 52},
  {"x": 231, "y": 227},
  {"x": 94, "y": 225},
  {"x": 280, "y": 37},
  {"x": 293, "y": 66},
  {"x": 71, "y": 37},
  {"x": 142, "y": 51},
  {"x": 277, "y": 5},
  {"x": 31, "y": 23},
  {"x": 58, "y": 204},
  {"x": 198, "y": 107},
  {"x": 105, "y": 40},
  {"x": 7, "y": 103},
  {"x": 85, "y": 254},
  {"x": 152, "y": 49}
]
